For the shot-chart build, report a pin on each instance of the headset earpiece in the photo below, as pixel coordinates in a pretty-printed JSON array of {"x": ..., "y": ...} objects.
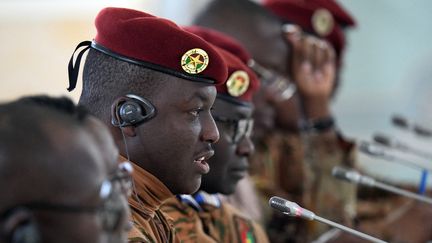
[{"x": 132, "y": 110}]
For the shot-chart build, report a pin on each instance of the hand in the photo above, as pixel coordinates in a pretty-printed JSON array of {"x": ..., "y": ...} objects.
[{"x": 313, "y": 70}]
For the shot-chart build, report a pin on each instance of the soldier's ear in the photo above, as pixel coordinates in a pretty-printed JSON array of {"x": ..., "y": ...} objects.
[{"x": 129, "y": 131}]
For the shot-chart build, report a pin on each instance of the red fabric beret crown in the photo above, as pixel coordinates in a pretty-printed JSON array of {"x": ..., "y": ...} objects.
[
  {"x": 242, "y": 82},
  {"x": 324, "y": 18},
  {"x": 158, "y": 44}
]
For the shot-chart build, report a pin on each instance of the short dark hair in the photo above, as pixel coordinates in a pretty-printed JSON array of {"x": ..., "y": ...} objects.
[
  {"x": 41, "y": 140},
  {"x": 25, "y": 126},
  {"x": 106, "y": 78},
  {"x": 62, "y": 104}
]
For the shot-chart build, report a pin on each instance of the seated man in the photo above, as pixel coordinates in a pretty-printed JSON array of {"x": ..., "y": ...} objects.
[
  {"x": 294, "y": 161},
  {"x": 203, "y": 217},
  {"x": 58, "y": 183},
  {"x": 153, "y": 84}
]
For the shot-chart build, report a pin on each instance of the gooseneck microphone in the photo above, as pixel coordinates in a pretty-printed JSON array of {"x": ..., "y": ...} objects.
[
  {"x": 393, "y": 143},
  {"x": 404, "y": 123},
  {"x": 357, "y": 178},
  {"x": 379, "y": 152},
  {"x": 294, "y": 210}
]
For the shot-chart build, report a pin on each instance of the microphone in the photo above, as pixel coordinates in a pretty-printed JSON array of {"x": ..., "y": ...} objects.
[
  {"x": 392, "y": 143},
  {"x": 357, "y": 178},
  {"x": 294, "y": 210},
  {"x": 374, "y": 150},
  {"x": 389, "y": 142},
  {"x": 404, "y": 123},
  {"x": 379, "y": 152},
  {"x": 352, "y": 176},
  {"x": 400, "y": 121},
  {"x": 290, "y": 208}
]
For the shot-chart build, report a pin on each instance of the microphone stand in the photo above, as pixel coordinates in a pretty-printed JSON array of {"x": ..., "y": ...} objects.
[
  {"x": 356, "y": 178},
  {"x": 349, "y": 230},
  {"x": 293, "y": 209}
]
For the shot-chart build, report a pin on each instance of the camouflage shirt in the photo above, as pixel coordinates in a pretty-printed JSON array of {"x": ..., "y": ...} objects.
[
  {"x": 299, "y": 168},
  {"x": 205, "y": 218},
  {"x": 150, "y": 224}
]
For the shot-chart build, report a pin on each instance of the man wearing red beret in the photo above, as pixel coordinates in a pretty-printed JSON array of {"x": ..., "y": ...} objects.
[
  {"x": 203, "y": 216},
  {"x": 308, "y": 61},
  {"x": 327, "y": 20},
  {"x": 154, "y": 84}
]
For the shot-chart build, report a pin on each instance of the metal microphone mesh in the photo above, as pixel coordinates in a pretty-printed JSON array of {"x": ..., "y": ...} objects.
[
  {"x": 382, "y": 139},
  {"x": 422, "y": 131},
  {"x": 400, "y": 121},
  {"x": 279, "y": 204},
  {"x": 364, "y": 147},
  {"x": 371, "y": 149},
  {"x": 340, "y": 173}
]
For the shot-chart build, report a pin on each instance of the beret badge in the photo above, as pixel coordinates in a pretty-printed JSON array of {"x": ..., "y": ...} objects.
[
  {"x": 238, "y": 83},
  {"x": 195, "y": 61},
  {"x": 322, "y": 22}
]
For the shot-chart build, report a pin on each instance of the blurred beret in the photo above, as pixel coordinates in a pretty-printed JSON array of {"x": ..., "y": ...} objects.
[
  {"x": 324, "y": 18},
  {"x": 242, "y": 82},
  {"x": 155, "y": 43},
  {"x": 221, "y": 40}
]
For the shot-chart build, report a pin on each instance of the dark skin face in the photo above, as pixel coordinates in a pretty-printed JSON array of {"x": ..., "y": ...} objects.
[
  {"x": 230, "y": 163},
  {"x": 175, "y": 145},
  {"x": 309, "y": 63},
  {"x": 264, "y": 40},
  {"x": 266, "y": 101},
  {"x": 55, "y": 184},
  {"x": 109, "y": 151},
  {"x": 305, "y": 61}
]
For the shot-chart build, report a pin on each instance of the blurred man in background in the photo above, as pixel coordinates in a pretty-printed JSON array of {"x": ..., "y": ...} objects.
[
  {"x": 294, "y": 160},
  {"x": 58, "y": 183}
]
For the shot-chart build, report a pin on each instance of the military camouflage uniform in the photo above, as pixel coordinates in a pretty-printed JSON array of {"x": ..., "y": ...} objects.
[
  {"x": 299, "y": 168},
  {"x": 150, "y": 224},
  {"x": 205, "y": 218},
  {"x": 325, "y": 195}
]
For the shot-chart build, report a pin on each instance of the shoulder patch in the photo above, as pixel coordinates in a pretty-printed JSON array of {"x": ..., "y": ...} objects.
[{"x": 244, "y": 229}]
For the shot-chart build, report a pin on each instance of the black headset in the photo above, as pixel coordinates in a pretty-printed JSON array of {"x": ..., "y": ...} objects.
[{"x": 132, "y": 110}]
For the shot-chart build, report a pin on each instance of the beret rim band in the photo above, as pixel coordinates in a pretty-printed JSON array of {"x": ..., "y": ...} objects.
[
  {"x": 233, "y": 100},
  {"x": 152, "y": 66}
]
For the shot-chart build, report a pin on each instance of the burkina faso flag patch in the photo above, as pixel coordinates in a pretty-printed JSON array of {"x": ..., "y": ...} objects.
[{"x": 245, "y": 231}]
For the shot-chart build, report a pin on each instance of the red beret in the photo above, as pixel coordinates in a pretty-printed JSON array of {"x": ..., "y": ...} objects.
[
  {"x": 242, "y": 82},
  {"x": 158, "y": 44},
  {"x": 221, "y": 40},
  {"x": 324, "y": 18}
]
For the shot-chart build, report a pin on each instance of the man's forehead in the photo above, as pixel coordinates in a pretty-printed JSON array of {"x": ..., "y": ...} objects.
[
  {"x": 184, "y": 91},
  {"x": 205, "y": 94},
  {"x": 232, "y": 111}
]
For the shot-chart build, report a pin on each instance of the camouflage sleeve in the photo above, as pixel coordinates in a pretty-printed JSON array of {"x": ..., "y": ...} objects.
[
  {"x": 186, "y": 222},
  {"x": 135, "y": 235},
  {"x": 327, "y": 196}
]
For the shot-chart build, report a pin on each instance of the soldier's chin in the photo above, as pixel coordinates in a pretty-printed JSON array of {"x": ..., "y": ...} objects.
[{"x": 192, "y": 188}]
